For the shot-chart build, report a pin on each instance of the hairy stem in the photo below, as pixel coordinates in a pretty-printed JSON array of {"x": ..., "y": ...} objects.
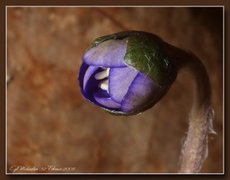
[{"x": 195, "y": 147}]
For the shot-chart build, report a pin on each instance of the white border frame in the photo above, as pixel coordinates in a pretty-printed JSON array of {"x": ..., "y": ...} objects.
[{"x": 160, "y": 6}]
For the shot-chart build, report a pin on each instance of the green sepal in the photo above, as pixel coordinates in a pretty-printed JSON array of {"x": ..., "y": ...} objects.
[
  {"x": 116, "y": 113},
  {"x": 101, "y": 39},
  {"x": 146, "y": 55},
  {"x": 115, "y": 36}
]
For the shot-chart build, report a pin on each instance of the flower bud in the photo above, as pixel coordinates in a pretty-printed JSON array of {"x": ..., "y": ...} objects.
[{"x": 127, "y": 72}]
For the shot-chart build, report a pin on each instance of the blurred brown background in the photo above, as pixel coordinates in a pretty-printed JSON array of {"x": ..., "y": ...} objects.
[{"x": 50, "y": 124}]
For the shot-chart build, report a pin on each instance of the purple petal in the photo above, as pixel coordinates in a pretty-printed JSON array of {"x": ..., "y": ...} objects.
[
  {"x": 104, "y": 99},
  {"x": 81, "y": 74},
  {"x": 89, "y": 72},
  {"x": 140, "y": 93},
  {"x": 88, "y": 83},
  {"x": 119, "y": 82},
  {"x": 108, "y": 54}
]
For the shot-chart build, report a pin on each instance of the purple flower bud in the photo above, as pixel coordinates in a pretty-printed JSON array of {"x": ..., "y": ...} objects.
[{"x": 124, "y": 73}]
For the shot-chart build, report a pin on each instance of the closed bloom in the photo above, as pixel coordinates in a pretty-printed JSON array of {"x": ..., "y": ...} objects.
[{"x": 126, "y": 73}]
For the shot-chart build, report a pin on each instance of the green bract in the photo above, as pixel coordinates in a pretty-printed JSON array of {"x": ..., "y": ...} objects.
[{"x": 146, "y": 56}]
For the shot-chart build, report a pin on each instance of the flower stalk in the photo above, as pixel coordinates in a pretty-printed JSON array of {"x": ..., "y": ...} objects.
[{"x": 195, "y": 147}]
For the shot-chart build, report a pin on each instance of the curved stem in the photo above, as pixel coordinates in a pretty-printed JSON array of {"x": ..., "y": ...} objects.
[{"x": 195, "y": 147}]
